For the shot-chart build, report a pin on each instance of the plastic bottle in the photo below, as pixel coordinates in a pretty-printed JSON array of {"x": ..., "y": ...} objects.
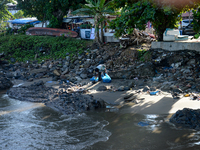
[{"x": 154, "y": 93}]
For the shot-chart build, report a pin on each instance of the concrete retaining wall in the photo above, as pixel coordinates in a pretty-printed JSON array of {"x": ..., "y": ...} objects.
[{"x": 176, "y": 46}]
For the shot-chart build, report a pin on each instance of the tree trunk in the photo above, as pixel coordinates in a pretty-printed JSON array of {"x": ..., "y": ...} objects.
[
  {"x": 97, "y": 39},
  {"x": 160, "y": 35},
  {"x": 43, "y": 21},
  {"x": 102, "y": 33}
]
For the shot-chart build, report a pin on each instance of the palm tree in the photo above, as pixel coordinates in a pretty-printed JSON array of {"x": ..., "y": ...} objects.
[{"x": 98, "y": 9}]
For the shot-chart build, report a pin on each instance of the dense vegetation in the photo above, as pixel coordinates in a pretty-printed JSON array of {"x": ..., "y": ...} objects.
[
  {"x": 135, "y": 14},
  {"x": 24, "y": 47},
  {"x": 4, "y": 13},
  {"x": 131, "y": 13},
  {"x": 98, "y": 9},
  {"x": 51, "y": 10}
]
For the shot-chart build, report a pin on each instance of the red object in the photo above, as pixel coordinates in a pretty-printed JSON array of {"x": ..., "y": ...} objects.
[
  {"x": 51, "y": 32},
  {"x": 152, "y": 35}
]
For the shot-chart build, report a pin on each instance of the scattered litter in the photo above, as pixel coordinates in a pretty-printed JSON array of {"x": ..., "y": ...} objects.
[
  {"x": 154, "y": 92},
  {"x": 167, "y": 68},
  {"x": 111, "y": 108},
  {"x": 193, "y": 96},
  {"x": 186, "y": 95},
  {"x": 157, "y": 78},
  {"x": 175, "y": 95},
  {"x": 18, "y": 85},
  {"x": 128, "y": 96},
  {"x": 130, "y": 99},
  {"x": 143, "y": 124},
  {"x": 140, "y": 98},
  {"x": 176, "y": 65},
  {"x": 94, "y": 78}
]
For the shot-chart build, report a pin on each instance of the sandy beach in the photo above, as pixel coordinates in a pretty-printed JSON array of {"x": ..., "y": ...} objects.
[
  {"x": 161, "y": 104},
  {"x": 146, "y": 103}
]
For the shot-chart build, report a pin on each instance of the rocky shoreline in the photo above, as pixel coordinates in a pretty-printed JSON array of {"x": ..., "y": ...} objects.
[
  {"x": 177, "y": 73},
  {"x": 68, "y": 99}
]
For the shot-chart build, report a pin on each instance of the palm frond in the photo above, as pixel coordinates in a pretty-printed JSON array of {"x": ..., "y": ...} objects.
[
  {"x": 83, "y": 11},
  {"x": 108, "y": 4},
  {"x": 101, "y": 3},
  {"x": 91, "y": 2}
]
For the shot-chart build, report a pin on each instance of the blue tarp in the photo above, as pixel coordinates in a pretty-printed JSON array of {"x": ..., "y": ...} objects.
[{"x": 23, "y": 21}]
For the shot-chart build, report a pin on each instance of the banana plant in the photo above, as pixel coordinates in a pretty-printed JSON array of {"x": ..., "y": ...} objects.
[{"x": 97, "y": 9}]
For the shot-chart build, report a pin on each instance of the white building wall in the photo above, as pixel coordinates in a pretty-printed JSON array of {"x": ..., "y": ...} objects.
[{"x": 13, "y": 11}]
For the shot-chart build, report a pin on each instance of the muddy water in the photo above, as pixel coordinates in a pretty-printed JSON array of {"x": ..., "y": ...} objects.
[{"x": 33, "y": 126}]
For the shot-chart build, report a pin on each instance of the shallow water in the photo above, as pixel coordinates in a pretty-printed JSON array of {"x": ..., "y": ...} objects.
[
  {"x": 31, "y": 126},
  {"x": 25, "y": 125},
  {"x": 155, "y": 134}
]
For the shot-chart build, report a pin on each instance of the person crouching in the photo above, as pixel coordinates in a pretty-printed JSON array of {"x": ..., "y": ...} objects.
[{"x": 100, "y": 70}]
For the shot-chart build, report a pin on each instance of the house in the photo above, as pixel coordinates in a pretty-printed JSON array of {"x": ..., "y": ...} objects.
[
  {"x": 187, "y": 15},
  {"x": 17, "y": 23},
  {"x": 12, "y": 8}
]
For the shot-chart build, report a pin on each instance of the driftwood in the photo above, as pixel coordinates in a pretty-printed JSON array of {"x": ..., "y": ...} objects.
[{"x": 136, "y": 38}]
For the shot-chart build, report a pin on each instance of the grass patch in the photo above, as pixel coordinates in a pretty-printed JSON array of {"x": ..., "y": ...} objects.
[
  {"x": 144, "y": 55},
  {"x": 25, "y": 47}
]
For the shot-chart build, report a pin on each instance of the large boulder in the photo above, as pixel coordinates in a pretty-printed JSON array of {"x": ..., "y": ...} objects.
[
  {"x": 5, "y": 83},
  {"x": 187, "y": 118},
  {"x": 145, "y": 69}
]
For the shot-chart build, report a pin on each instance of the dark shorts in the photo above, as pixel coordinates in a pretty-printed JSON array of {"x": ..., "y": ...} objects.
[{"x": 96, "y": 70}]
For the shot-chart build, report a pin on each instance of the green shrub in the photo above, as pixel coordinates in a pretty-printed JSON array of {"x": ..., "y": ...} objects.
[
  {"x": 196, "y": 36},
  {"x": 144, "y": 55},
  {"x": 86, "y": 26},
  {"x": 25, "y": 47},
  {"x": 23, "y": 29}
]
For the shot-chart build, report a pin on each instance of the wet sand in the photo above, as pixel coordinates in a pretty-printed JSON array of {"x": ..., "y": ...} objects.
[
  {"x": 163, "y": 104},
  {"x": 147, "y": 104}
]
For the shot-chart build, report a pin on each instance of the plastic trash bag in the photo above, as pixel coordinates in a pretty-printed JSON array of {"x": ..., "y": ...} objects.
[
  {"x": 106, "y": 78},
  {"x": 94, "y": 78},
  {"x": 143, "y": 124}
]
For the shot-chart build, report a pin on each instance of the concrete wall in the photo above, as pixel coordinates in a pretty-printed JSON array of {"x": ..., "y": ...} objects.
[{"x": 176, "y": 46}]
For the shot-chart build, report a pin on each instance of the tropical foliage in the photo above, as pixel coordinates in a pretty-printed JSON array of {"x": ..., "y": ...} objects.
[
  {"x": 98, "y": 9},
  {"x": 24, "y": 47},
  {"x": 19, "y": 14},
  {"x": 51, "y": 10},
  {"x": 137, "y": 14},
  {"x": 131, "y": 13},
  {"x": 4, "y": 13},
  {"x": 196, "y": 20}
]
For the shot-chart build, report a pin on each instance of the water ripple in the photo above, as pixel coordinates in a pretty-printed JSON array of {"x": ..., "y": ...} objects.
[{"x": 42, "y": 128}]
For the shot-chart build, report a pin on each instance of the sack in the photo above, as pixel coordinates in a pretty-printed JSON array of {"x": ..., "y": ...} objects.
[
  {"x": 106, "y": 78},
  {"x": 94, "y": 78}
]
